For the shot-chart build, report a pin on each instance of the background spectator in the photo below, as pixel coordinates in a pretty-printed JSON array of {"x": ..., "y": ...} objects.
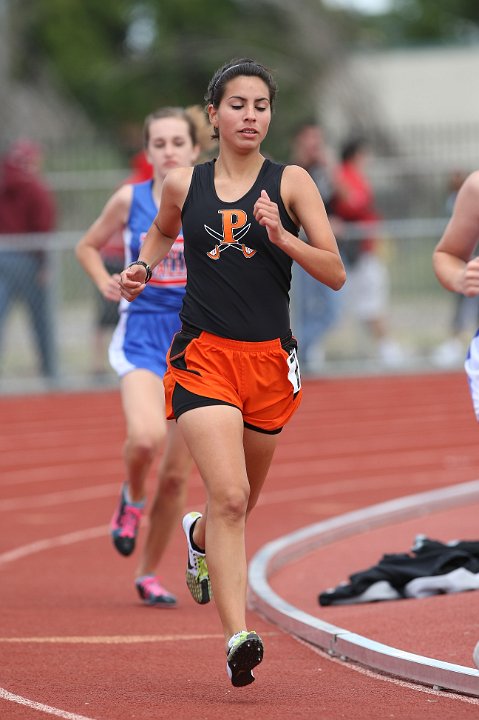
[
  {"x": 27, "y": 206},
  {"x": 317, "y": 307},
  {"x": 367, "y": 288}
]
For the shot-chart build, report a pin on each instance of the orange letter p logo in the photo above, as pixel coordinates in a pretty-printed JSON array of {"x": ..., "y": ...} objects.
[{"x": 232, "y": 219}]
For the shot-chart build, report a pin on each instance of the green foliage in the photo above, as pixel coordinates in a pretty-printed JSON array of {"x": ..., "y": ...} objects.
[
  {"x": 121, "y": 58},
  {"x": 423, "y": 22},
  {"x": 437, "y": 20}
]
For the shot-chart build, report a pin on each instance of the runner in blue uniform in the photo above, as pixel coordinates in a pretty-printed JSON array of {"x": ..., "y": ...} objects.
[
  {"x": 233, "y": 378},
  {"x": 138, "y": 349}
]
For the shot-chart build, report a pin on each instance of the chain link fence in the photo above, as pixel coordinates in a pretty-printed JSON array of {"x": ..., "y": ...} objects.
[
  {"x": 419, "y": 315},
  {"x": 410, "y": 187}
]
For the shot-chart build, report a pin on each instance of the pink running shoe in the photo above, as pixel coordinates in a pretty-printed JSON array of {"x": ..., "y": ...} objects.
[
  {"x": 153, "y": 593},
  {"x": 125, "y": 524}
]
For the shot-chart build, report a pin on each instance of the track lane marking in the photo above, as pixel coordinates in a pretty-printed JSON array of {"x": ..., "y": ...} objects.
[
  {"x": 108, "y": 639},
  {"x": 268, "y": 496},
  {"x": 33, "y": 705},
  {"x": 61, "y": 540},
  {"x": 94, "y": 640},
  {"x": 62, "y": 497}
]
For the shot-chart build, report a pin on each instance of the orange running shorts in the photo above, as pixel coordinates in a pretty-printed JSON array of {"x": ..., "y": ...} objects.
[{"x": 261, "y": 379}]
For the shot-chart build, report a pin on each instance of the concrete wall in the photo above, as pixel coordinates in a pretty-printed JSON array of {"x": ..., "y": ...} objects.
[{"x": 417, "y": 88}]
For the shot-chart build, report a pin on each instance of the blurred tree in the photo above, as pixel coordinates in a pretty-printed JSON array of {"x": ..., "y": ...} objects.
[
  {"x": 120, "y": 58},
  {"x": 4, "y": 71},
  {"x": 421, "y": 22}
]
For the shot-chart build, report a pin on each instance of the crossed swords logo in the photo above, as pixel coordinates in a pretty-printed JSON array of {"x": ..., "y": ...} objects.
[{"x": 222, "y": 244}]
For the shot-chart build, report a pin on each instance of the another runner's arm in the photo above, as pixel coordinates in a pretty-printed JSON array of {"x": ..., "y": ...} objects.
[
  {"x": 452, "y": 261},
  {"x": 111, "y": 220},
  {"x": 162, "y": 233},
  {"x": 320, "y": 256}
]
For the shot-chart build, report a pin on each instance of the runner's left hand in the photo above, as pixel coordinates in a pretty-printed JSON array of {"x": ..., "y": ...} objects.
[{"x": 267, "y": 214}]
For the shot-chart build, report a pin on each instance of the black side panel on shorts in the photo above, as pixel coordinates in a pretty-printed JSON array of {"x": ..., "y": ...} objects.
[{"x": 178, "y": 350}]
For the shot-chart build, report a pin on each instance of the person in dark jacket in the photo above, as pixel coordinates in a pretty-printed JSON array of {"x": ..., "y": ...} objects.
[{"x": 27, "y": 206}]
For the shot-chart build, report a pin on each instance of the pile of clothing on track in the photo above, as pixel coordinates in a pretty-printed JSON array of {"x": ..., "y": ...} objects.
[{"x": 430, "y": 568}]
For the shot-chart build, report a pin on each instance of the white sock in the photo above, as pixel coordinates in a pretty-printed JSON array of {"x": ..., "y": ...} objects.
[{"x": 128, "y": 499}]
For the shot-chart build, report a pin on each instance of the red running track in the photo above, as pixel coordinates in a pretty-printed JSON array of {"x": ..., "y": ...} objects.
[{"x": 75, "y": 640}]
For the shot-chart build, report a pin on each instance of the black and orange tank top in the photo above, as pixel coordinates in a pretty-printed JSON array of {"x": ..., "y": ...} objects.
[{"x": 238, "y": 282}]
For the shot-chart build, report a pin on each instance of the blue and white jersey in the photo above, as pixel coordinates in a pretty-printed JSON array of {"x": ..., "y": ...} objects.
[
  {"x": 166, "y": 288},
  {"x": 146, "y": 326}
]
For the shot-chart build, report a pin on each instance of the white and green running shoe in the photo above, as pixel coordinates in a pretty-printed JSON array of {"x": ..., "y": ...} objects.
[
  {"x": 245, "y": 651},
  {"x": 197, "y": 577}
]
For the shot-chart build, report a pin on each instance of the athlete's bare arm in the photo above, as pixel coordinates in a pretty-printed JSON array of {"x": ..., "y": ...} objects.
[
  {"x": 162, "y": 233},
  {"x": 111, "y": 220},
  {"x": 452, "y": 256},
  {"x": 320, "y": 256}
]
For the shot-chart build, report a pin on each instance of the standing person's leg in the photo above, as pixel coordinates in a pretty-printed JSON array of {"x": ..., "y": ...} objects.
[
  {"x": 371, "y": 294},
  {"x": 7, "y": 293},
  {"x": 24, "y": 280},
  {"x": 317, "y": 310},
  {"x": 43, "y": 330},
  {"x": 372, "y": 288},
  {"x": 36, "y": 296}
]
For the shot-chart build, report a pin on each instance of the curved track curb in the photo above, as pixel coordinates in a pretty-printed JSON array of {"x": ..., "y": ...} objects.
[{"x": 339, "y": 641}]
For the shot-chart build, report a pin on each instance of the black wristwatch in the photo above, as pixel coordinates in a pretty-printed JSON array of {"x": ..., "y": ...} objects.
[{"x": 145, "y": 265}]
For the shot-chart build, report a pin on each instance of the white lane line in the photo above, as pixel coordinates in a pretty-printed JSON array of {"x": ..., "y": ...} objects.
[
  {"x": 386, "y": 678},
  {"x": 335, "y": 488},
  {"x": 59, "y": 498},
  {"x": 62, "y": 497},
  {"x": 99, "y": 640},
  {"x": 109, "y": 639},
  {"x": 61, "y": 540},
  {"x": 269, "y": 497},
  {"x": 49, "y": 473},
  {"x": 5, "y": 695}
]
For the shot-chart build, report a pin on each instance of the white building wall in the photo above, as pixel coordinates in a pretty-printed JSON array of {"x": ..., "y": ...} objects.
[{"x": 422, "y": 87}]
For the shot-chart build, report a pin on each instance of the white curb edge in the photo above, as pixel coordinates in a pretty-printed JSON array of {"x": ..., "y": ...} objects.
[{"x": 338, "y": 641}]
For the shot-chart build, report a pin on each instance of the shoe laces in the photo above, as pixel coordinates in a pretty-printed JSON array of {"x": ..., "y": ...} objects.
[
  {"x": 153, "y": 587},
  {"x": 130, "y": 520},
  {"x": 198, "y": 564}
]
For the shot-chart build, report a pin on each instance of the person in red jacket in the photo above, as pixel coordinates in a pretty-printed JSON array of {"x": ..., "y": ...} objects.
[
  {"x": 27, "y": 205},
  {"x": 368, "y": 277}
]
